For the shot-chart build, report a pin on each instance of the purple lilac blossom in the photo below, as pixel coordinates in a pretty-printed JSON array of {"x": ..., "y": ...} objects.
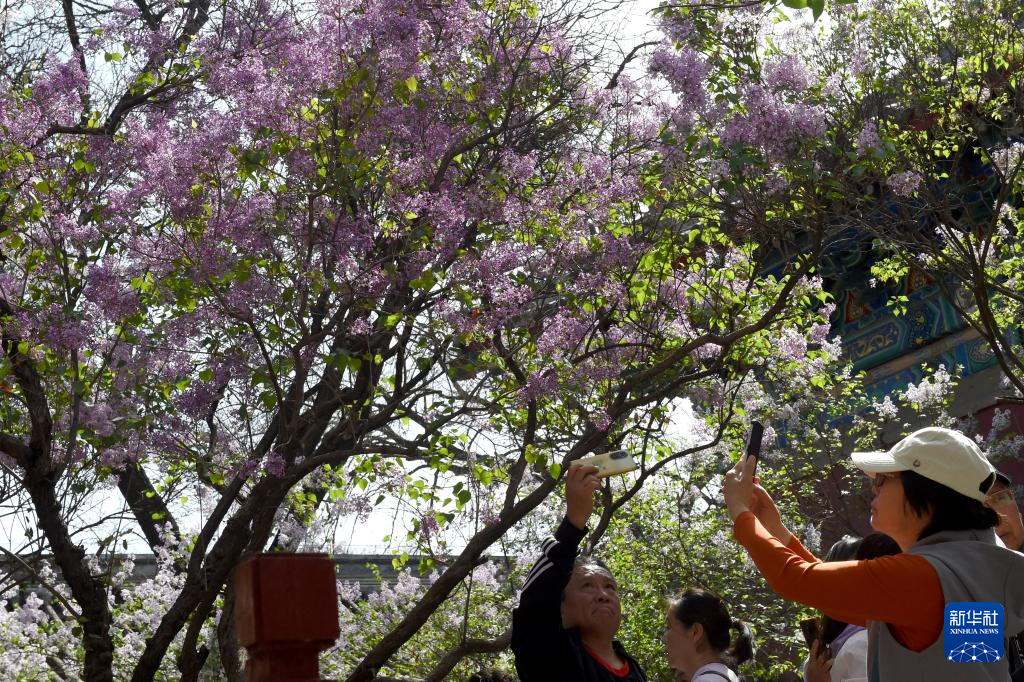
[
  {"x": 904, "y": 184},
  {"x": 868, "y": 137}
]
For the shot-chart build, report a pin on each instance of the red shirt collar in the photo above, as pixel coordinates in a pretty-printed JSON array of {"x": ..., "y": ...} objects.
[{"x": 618, "y": 672}]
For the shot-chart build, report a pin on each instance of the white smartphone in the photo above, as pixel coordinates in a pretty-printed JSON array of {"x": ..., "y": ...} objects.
[{"x": 610, "y": 463}]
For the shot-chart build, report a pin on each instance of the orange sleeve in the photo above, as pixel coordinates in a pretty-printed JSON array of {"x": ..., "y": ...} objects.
[
  {"x": 902, "y": 590},
  {"x": 798, "y": 548}
]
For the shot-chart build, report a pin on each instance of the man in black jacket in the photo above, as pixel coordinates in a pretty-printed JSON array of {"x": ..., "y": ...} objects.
[{"x": 569, "y": 611}]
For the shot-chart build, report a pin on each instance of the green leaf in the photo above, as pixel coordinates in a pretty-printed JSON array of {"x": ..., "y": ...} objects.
[
  {"x": 411, "y": 83},
  {"x": 817, "y": 7},
  {"x": 424, "y": 281},
  {"x": 485, "y": 476},
  {"x": 795, "y": 4}
]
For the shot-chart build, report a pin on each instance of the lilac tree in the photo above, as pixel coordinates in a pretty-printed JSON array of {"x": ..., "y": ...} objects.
[
  {"x": 261, "y": 258},
  {"x": 921, "y": 104},
  {"x": 946, "y": 161}
]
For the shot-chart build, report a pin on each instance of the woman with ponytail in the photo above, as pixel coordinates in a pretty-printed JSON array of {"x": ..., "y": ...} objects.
[{"x": 697, "y": 638}]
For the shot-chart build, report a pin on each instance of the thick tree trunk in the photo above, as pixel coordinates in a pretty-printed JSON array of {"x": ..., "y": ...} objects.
[
  {"x": 89, "y": 592},
  {"x": 40, "y": 480}
]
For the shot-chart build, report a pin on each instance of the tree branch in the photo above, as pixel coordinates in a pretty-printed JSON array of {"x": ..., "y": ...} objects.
[
  {"x": 438, "y": 592},
  {"x": 146, "y": 504},
  {"x": 468, "y": 648},
  {"x": 16, "y": 448}
]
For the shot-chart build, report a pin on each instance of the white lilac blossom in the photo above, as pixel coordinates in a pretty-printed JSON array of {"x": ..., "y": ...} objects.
[
  {"x": 1001, "y": 420},
  {"x": 1008, "y": 159},
  {"x": 1008, "y": 447},
  {"x": 707, "y": 351},
  {"x": 792, "y": 346},
  {"x": 931, "y": 391},
  {"x": 886, "y": 408},
  {"x": 812, "y": 537}
]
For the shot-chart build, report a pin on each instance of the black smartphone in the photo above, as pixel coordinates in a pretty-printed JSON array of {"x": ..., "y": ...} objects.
[
  {"x": 809, "y": 629},
  {"x": 754, "y": 440}
]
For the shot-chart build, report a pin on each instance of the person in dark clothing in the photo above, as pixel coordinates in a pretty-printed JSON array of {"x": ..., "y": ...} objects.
[
  {"x": 1011, "y": 531},
  {"x": 569, "y": 611}
]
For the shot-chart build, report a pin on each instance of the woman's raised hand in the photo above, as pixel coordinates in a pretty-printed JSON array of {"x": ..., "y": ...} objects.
[{"x": 738, "y": 486}]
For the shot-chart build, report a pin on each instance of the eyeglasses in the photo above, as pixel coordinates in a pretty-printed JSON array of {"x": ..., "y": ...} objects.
[
  {"x": 1001, "y": 498},
  {"x": 879, "y": 480}
]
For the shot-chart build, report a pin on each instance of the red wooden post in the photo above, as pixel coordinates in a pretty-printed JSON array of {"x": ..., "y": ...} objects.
[{"x": 286, "y": 613}]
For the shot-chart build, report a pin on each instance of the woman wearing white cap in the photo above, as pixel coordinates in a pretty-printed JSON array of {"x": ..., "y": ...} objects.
[{"x": 929, "y": 493}]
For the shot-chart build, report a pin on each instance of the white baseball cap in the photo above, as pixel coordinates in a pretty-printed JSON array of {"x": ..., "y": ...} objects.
[{"x": 943, "y": 455}]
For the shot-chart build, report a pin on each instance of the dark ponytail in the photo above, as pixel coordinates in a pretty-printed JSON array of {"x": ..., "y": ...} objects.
[
  {"x": 707, "y": 608},
  {"x": 742, "y": 648}
]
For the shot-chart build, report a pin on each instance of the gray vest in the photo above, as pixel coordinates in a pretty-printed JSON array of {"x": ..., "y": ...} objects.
[{"x": 971, "y": 567}]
